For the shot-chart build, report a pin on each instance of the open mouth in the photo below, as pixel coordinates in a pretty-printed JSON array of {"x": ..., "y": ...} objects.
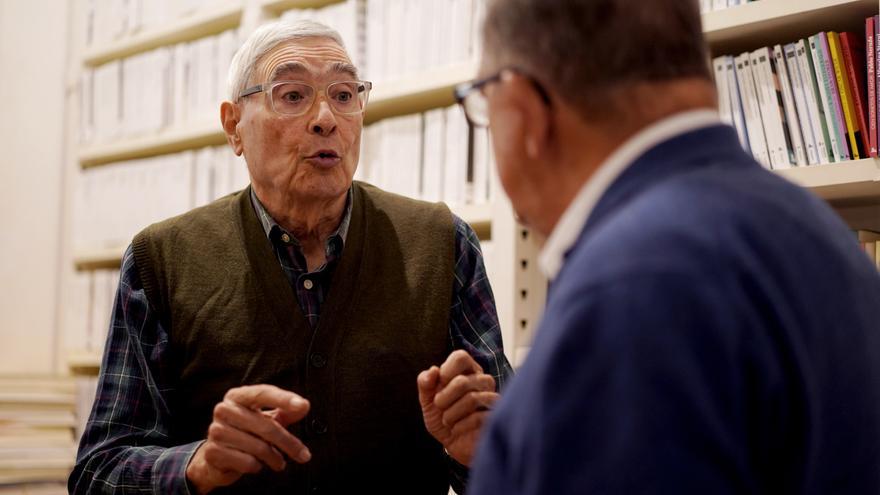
[{"x": 325, "y": 155}]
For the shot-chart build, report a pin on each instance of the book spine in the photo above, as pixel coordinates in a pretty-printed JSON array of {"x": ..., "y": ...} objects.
[
  {"x": 834, "y": 97},
  {"x": 790, "y": 112},
  {"x": 764, "y": 102},
  {"x": 876, "y": 76},
  {"x": 824, "y": 78},
  {"x": 846, "y": 105},
  {"x": 872, "y": 87},
  {"x": 721, "y": 88},
  {"x": 814, "y": 102},
  {"x": 800, "y": 100},
  {"x": 775, "y": 112},
  {"x": 757, "y": 139},
  {"x": 736, "y": 103},
  {"x": 852, "y": 50}
]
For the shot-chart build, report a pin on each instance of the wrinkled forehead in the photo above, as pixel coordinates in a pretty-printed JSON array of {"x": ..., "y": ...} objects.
[{"x": 307, "y": 59}]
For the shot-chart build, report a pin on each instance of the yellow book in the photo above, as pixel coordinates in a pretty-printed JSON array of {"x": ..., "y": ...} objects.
[
  {"x": 877, "y": 254},
  {"x": 846, "y": 98}
]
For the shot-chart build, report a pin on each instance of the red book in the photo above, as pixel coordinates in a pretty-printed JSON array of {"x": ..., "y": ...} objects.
[
  {"x": 853, "y": 48},
  {"x": 872, "y": 86}
]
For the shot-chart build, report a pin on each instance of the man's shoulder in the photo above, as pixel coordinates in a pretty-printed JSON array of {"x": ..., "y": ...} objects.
[{"x": 404, "y": 209}]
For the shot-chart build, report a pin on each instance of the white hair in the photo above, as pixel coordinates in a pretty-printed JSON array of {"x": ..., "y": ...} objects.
[{"x": 263, "y": 40}]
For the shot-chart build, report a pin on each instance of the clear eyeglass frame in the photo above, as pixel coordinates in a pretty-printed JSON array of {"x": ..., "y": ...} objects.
[{"x": 332, "y": 91}]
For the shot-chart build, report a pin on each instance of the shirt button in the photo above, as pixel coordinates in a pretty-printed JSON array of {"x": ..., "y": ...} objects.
[
  {"x": 318, "y": 361},
  {"x": 285, "y": 238},
  {"x": 319, "y": 427},
  {"x": 308, "y": 284}
]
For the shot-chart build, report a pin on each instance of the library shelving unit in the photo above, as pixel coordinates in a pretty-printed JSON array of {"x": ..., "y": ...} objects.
[
  {"x": 38, "y": 444},
  {"x": 402, "y": 96},
  {"x": 768, "y": 22},
  {"x": 519, "y": 288}
]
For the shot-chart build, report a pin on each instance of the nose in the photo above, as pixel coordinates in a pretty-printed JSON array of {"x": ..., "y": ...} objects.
[{"x": 323, "y": 122}]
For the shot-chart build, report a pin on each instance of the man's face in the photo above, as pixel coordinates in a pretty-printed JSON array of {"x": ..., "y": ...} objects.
[{"x": 311, "y": 156}]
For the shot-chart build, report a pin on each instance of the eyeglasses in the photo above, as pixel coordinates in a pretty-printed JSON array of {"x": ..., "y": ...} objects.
[
  {"x": 295, "y": 98},
  {"x": 474, "y": 103}
]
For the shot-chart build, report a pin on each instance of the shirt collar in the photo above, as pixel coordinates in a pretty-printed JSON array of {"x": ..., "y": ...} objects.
[
  {"x": 572, "y": 221},
  {"x": 274, "y": 231}
]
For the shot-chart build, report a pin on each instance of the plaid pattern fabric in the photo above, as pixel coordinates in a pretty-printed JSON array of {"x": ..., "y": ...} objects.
[
  {"x": 310, "y": 287},
  {"x": 126, "y": 446}
]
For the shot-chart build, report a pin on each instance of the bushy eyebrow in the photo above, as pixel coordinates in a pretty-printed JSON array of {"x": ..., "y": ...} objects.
[{"x": 299, "y": 68}]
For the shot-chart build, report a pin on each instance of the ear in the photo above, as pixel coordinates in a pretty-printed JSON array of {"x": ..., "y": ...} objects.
[
  {"x": 536, "y": 117},
  {"x": 230, "y": 115}
]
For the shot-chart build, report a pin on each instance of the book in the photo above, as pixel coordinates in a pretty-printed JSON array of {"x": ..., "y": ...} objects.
[
  {"x": 792, "y": 120},
  {"x": 751, "y": 109},
  {"x": 736, "y": 105},
  {"x": 804, "y": 117},
  {"x": 872, "y": 86},
  {"x": 772, "y": 113},
  {"x": 721, "y": 87},
  {"x": 853, "y": 134},
  {"x": 830, "y": 79},
  {"x": 876, "y": 73},
  {"x": 830, "y": 100},
  {"x": 815, "y": 102},
  {"x": 853, "y": 50}
]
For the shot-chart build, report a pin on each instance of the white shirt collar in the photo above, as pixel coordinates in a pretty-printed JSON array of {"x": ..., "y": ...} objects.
[{"x": 572, "y": 222}]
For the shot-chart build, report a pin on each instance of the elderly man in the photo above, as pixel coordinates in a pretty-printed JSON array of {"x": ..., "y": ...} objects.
[
  {"x": 711, "y": 328},
  {"x": 272, "y": 342}
]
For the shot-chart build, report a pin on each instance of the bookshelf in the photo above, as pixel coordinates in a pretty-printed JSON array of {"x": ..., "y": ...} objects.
[
  {"x": 206, "y": 22},
  {"x": 418, "y": 92},
  {"x": 745, "y": 27},
  {"x": 404, "y": 96},
  {"x": 766, "y": 22},
  {"x": 84, "y": 362}
]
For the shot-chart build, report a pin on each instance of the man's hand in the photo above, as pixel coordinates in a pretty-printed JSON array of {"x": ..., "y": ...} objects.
[
  {"x": 455, "y": 399},
  {"x": 247, "y": 433}
]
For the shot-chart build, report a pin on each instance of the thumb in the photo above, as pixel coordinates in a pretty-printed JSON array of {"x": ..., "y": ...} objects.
[{"x": 427, "y": 382}]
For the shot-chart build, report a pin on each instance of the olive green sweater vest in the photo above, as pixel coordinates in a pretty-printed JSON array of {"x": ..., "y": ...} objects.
[{"x": 233, "y": 319}]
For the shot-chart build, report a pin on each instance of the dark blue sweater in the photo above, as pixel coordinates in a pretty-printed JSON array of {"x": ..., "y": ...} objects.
[{"x": 714, "y": 330}]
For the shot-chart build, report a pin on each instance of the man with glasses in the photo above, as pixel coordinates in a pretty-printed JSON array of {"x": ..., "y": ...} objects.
[
  {"x": 710, "y": 327},
  {"x": 309, "y": 334}
]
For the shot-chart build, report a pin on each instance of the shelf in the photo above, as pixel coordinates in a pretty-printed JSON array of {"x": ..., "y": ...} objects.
[
  {"x": 51, "y": 473},
  {"x": 418, "y": 92},
  {"x": 169, "y": 141},
  {"x": 278, "y": 6},
  {"x": 478, "y": 216},
  {"x": 848, "y": 181},
  {"x": 107, "y": 258},
  {"x": 207, "y": 22},
  {"x": 769, "y": 22},
  {"x": 412, "y": 94},
  {"x": 31, "y": 398},
  {"x": 84, "y": 362}
]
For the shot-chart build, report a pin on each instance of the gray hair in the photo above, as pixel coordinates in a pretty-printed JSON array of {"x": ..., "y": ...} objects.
[
  {"x": 593, "y": 51},
  {"x": 263, "y": 40}
]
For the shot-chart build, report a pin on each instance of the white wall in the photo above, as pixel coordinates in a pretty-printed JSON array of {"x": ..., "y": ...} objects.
[{"x": 33, "y": 53}]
